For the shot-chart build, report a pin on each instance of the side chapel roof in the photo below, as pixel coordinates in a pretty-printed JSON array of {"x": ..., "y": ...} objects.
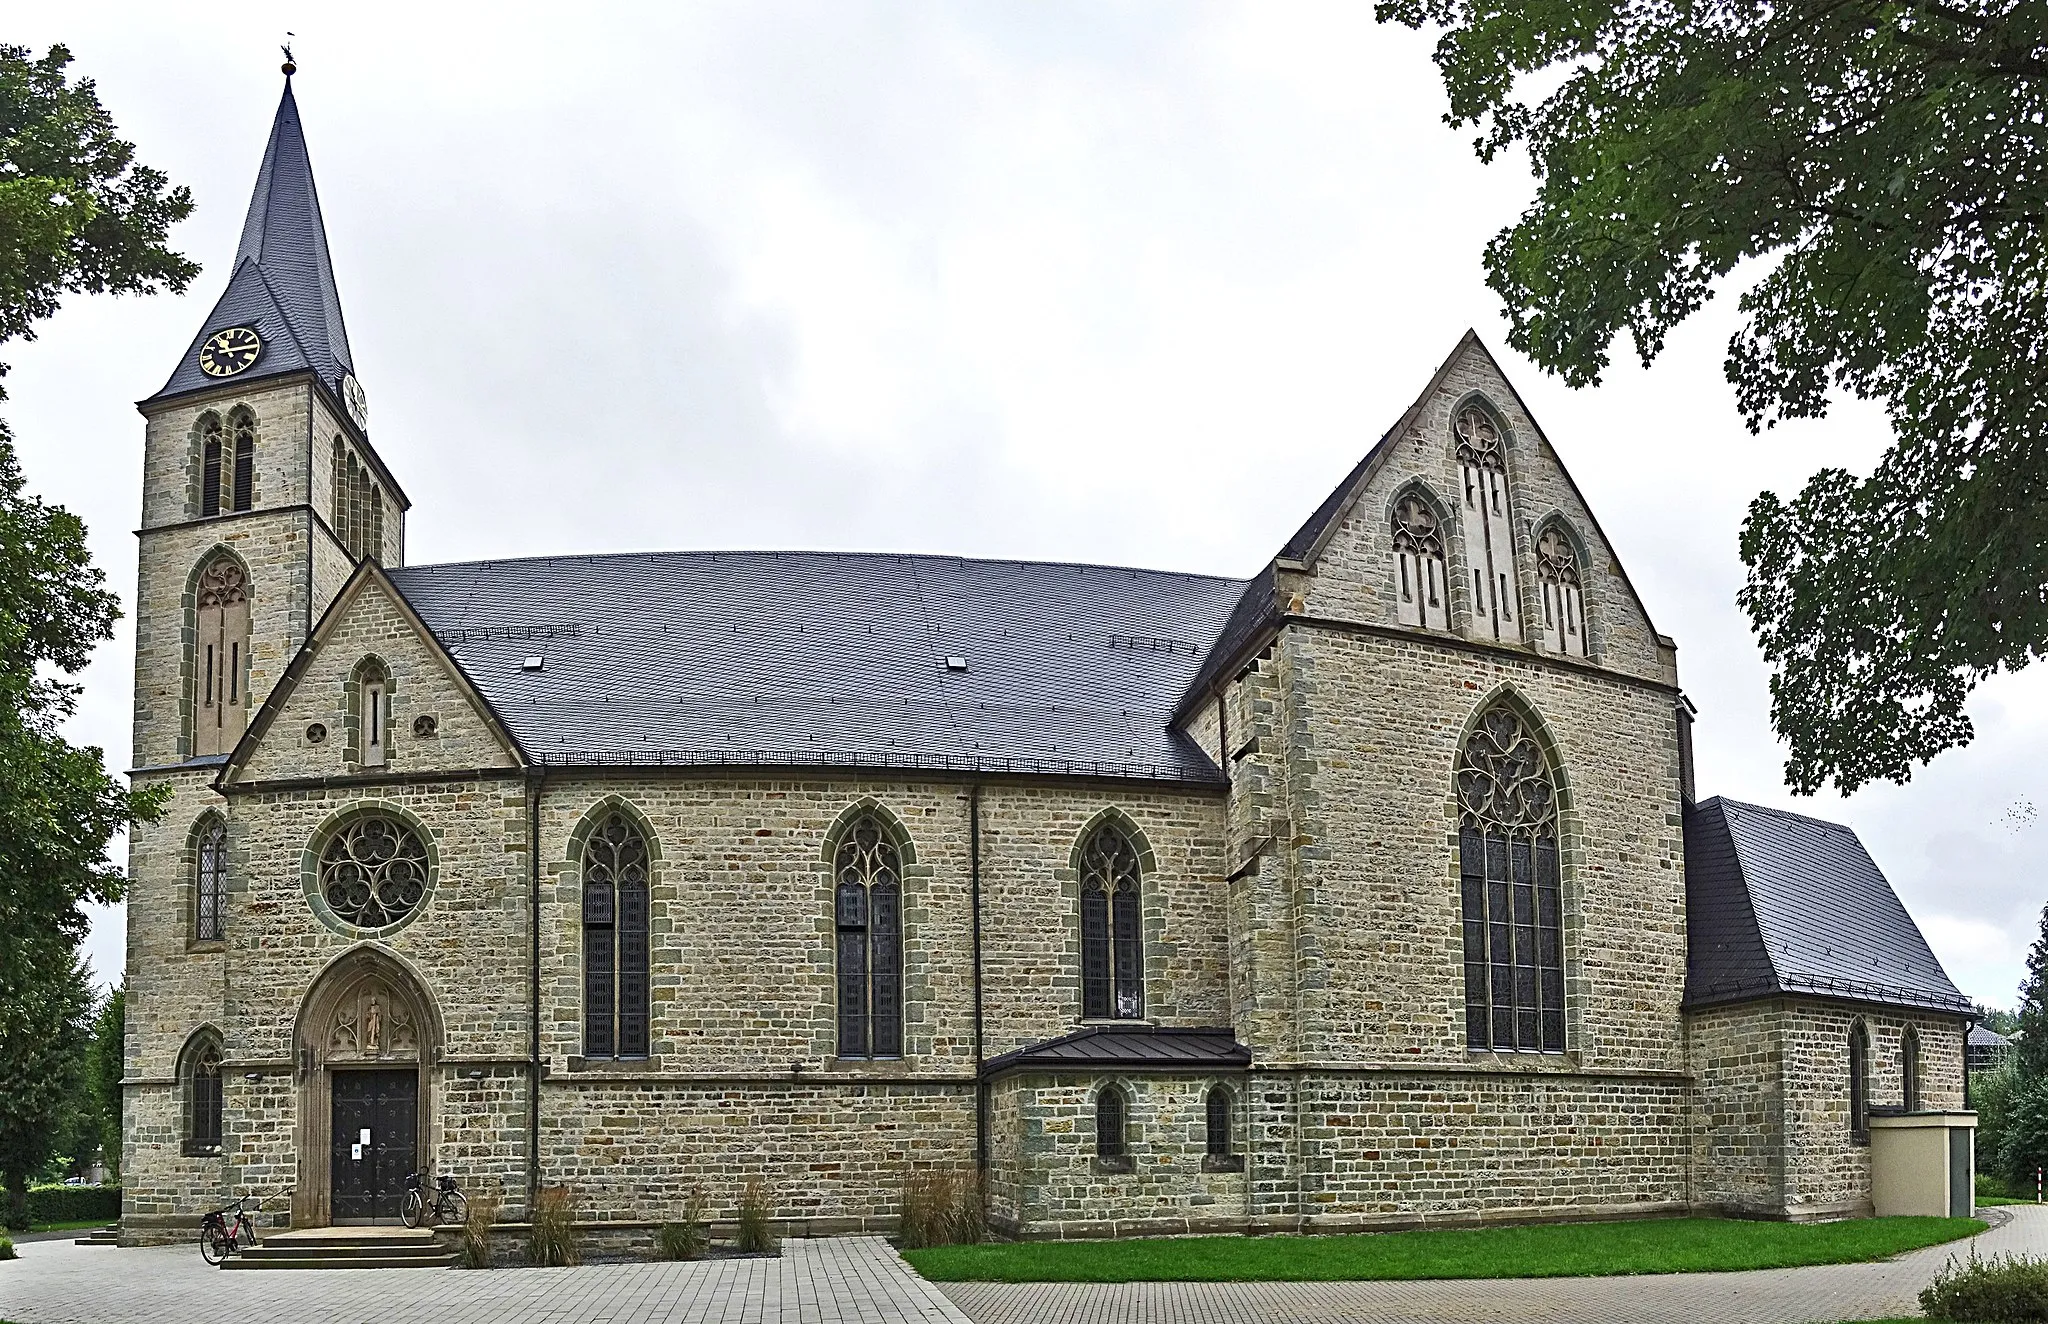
[
  {"x": 1781, "y": 903},
  {"x": 830, "y": 659}
]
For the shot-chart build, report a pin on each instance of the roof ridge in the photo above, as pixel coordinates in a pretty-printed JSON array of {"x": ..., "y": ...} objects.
[
  {"x": 1781, "y": 813},
  {"x": 802, "y": 551}
]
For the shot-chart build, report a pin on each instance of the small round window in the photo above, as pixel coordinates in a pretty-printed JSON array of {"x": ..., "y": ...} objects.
[{"x": 374, "y": 871}]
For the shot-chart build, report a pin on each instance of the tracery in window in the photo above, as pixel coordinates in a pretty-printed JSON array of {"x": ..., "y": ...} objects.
[
  {"x": 1510, "y": 892},
  {"x": 1112, "y": 937},
  {"x": 220, "y": 657},
  {"x": 373, "y": 871},
  {"x": 1564, "y": 602},
  {"x": 1111, "y": 1142},
  {"x": 1488, "y": 543},
  {"x": 202, "y": 1093},
  {"x": 1422, "y": 582},
  {"x": 210, "y": 881},
  {"x": 867, "y": 905},
  {"x": 615, "y": 945},
  {"x": 1859, "y": 1084}
]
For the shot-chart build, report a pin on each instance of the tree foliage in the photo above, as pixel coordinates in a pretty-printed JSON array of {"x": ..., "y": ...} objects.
[
  {"x": 104, "y": 1061},
  {"x": 2030, "y": 1029},
  {"x": 43, "y": 1030},
  {"x": 1883, "y": 165}
]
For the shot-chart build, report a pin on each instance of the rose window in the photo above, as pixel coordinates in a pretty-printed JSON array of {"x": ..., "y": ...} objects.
[{"x": 373, "y": 872}]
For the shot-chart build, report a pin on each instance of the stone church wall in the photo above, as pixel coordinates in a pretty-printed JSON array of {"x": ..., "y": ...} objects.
[{"x": 1739, "y": 1107}]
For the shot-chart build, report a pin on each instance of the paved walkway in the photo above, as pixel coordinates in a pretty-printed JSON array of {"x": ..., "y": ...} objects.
[
  {"x": 846, "y": 1280},
  {"x": 1767, "y": 1296},
  {"x": 860, "y": 1280}
]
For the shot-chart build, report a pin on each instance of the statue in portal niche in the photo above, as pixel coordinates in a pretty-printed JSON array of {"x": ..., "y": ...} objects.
[{"x": 373, "y": 1028}]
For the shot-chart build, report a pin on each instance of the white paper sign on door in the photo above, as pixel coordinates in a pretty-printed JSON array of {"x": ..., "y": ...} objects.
[
  {"x": 356, "y": 1152},
  {"x": 366, "y": 1135}
]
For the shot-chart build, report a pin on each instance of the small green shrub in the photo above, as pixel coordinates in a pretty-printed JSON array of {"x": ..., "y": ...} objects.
[
  {"x": 942, "y": 1207},
  {"x": 7, "y": 1249},
  {"x": 2010, "y": 1289},
  {"x": 754, "y": 1238},
  {"x": 688, "y": 1238},
  {"x": 474, "y": 1250},
  {"x": 73, "y": 1204},
  {"x": 551, "y": 1240}
]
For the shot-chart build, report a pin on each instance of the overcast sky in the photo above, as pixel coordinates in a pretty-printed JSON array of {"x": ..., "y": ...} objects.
[{"x": 1119, "y": 282}]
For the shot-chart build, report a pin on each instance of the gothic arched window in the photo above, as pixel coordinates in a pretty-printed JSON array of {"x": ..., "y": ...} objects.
[
  {"x": 1112, "y": 938},
  {"x": 1564, "y": 602},
  {"x": 1218, "y": 1106},
  {"x": 1511, "y": 898},
  {"x": 615, "y": 957},
  {"x": 338, "y": 504},
  {"x": 1111, "y": 1142},
  {"x": 202, "y": 1093},
  {"x": 220, "y": 658},
  {"x": 1909, "y": 1069},
  {"x": 210, "y": 881},
  {"x": 239, "y": 481},
  {"x": 1489, "y": 545},
  {"x": 1422, "y": 595},
  {"x": 867, "y": 916},
  {"x": 209, "y": 465},
  {"x": 1859, "y": 1083}
]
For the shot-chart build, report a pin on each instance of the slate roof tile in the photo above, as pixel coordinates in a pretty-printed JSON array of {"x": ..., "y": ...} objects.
[{"x": 1130, "y": 1048}]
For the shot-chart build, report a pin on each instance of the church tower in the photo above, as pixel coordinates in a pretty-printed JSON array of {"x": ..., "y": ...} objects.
[{"x": 261, "y": 494}]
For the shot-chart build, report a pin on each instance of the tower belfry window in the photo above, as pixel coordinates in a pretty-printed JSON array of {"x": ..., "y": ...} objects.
[
  {"x": 1488, "y": 543},
  {"x": 220, "y": 658}
]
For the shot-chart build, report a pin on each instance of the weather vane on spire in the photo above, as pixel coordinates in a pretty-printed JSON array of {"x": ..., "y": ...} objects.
[{"x": 291, "y": 66}]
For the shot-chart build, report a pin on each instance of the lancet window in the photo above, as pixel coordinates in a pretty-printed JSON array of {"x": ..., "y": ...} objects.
[
  {"x": 867, "y": 906},
  {"x": 616, "y": 988},
  {"x": 220, "y": 658},
  {"x": 1111, "y": 1141},
  {"x": 1859, "y": 1084},
  {"x": 1488, "y": 543},
  {"x": 227, "y": 463},
  {"x": 1421, "y": 581},
  {"x": 1909, "y": 1069},
  {"x": 1564, "y": 601},
  {"x": 210, "y": 882},
  {"x": 1219, "y": 1107},
  {"x": 202, "y": 1094},
  {"x": 1112, "y": 935},
  {"x": 1510, "y": 892},
  {"x": 357, "y": 502}
]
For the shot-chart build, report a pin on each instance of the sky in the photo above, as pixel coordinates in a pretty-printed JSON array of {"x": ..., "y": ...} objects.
[{"x": 1121, "y": 282}]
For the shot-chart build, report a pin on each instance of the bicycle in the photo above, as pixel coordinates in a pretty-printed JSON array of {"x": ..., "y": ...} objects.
[
  {"x": 217, "y": 1240},
  {"x": 448, "y": 1205}
]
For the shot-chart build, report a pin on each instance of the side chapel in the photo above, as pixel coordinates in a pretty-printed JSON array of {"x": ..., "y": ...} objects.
[{"x": 1370, "y": 890}]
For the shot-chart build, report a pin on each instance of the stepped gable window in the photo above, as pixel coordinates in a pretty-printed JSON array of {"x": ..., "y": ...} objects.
[
  {"x": 1489, "y": 547},
  {"x": 1564, "y": 601},
  {"x": 374, "y": 871},
  {"x": 867, "y": 917},
  {"x": 1859, "y": 1084},
  {"x": 1909, "y": 1069},
  {"x": 200, "y": 1078},
  {"x": 220, "y": 657},
  {"x": 1421, "y": 579},
  {"x": 210, "y": 880},
  {"x": 1510, "y": 892},
  {"x": 616, "y": 991},
  {"x": 1112, "y": 937},
  {"x": 1112, "y": 1139}
]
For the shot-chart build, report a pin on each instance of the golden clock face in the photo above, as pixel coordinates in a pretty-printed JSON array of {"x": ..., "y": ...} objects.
[{"x": 227, "y": 352}]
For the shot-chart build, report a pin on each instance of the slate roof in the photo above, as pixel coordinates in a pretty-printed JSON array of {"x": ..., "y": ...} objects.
[
  {"x": 832, "y": 659},
  {"x": 1782, "y": 903},
  {"x": 1984, "y": 1037},
  {"x": 283, "y": 280},
  {"x": 1129, "y": 1048}
]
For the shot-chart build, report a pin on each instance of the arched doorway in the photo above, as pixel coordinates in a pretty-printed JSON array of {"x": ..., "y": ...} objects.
[{"x": 369, "y": 1045}]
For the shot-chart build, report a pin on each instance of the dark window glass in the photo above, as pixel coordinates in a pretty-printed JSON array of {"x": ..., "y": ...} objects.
[
  {"x": 206, "y": 1095},
  {"x": 1112, "y": 927},
  {"x": 1109, "y": 1123},
  {"x": 867, "y": 912},
  {"x": 209, "y": 472},
  {"x": 1219, "y": 1121},
  {"x": 1512, "y": 921},
  {"x": 209, "y": 921},
  {"x": 1859, "y": 1083},
  {"x": 615, "y": 943},
  {"x": 245, "y": 463},
  {"x": 1909, "y": 1067}
]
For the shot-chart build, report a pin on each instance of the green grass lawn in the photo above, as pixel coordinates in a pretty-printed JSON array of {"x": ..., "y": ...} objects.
[
  {"x": 75, "y": 1225},
  {"x": 2002, "y": 1199},
  {"x": 1556, "y": 1250}
]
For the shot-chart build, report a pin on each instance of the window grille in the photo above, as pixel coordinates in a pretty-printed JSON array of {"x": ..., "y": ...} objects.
[
  {"x": 1112, "y": 936},
  {"x": 1219, "y": 1110},
  {"x": 616, "y": 986},
  {"x": 205, "y": 1093},
  {"x": 373, "y": 871},
  {"x": 867, "y": 905},
  {"x": 211, "y": 886},
  {"x": 1110, "y": 1140},
  {"x": 1510, "y": 892}
]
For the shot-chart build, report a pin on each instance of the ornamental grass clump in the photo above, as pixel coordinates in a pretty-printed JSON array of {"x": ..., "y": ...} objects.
[
  {"x": 942, "y": 1207},
  {"x": 754, "y": 1237},
  {"x": 7, "y": 1249},
  {"x": 551, "y": 1241},
  {"x": 689, "y": 1237},
  {"x": 474, "y": 1247},
  {"x": 2005, "y": 1289}
]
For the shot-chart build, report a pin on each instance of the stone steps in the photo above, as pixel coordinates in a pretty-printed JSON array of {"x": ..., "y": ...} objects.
[
  {"x": 110, "y": 1235},
  {"x": 346, "y": 1248}
]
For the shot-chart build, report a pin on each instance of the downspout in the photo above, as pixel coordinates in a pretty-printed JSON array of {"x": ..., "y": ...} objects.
[
  {"x": 974, "y": 892},
  {"x": 533, "y": 790}
]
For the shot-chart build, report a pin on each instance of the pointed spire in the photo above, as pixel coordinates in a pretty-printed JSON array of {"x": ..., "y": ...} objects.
[{"x": 283, "y": 280}]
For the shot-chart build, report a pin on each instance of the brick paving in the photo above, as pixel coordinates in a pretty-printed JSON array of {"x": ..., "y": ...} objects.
[
  {"x": 1768, "y": 1296},
  {"x": 860, "y": 1280}
]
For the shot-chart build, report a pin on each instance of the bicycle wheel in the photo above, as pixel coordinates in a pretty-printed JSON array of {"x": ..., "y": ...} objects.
[
  {"x": 411, "y": 1207},
  {"x": 456, "y": 1208},
  {"x": 213, "y": 1244}
]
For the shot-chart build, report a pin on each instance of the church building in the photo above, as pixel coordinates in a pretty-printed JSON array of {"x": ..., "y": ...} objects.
[{"x": 1369, "y": 890}]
